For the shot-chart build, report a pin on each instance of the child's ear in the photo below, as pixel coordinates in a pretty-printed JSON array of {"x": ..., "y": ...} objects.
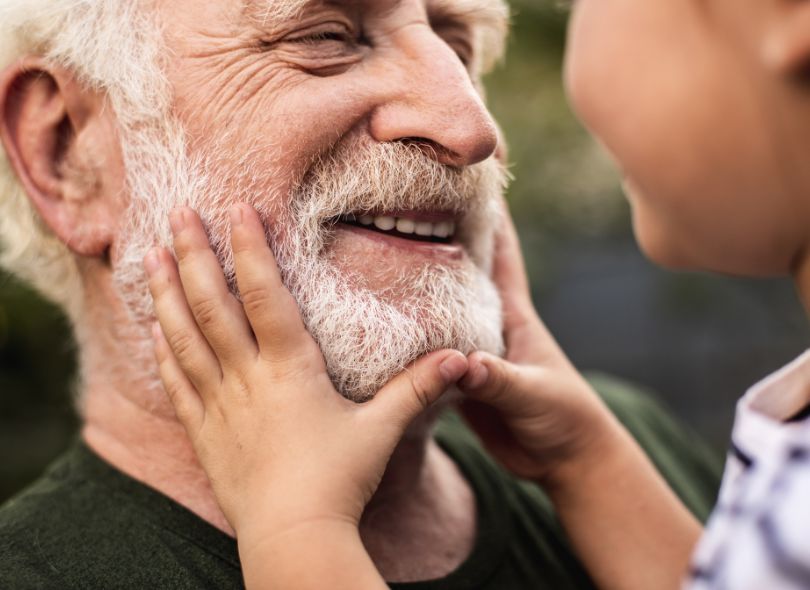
[
  {"x": 786, "y": 44},
  {"x": 61, "y": 143}
]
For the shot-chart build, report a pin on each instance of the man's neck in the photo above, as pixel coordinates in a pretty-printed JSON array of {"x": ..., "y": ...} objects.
[
  {"x": 151, "y": 449},
  {"x": 419, "y": 525}
]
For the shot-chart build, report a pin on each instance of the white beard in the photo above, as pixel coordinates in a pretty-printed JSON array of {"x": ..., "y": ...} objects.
[
  {"x": 366, "y": 340},
  {"x": 366, "y": 337}
]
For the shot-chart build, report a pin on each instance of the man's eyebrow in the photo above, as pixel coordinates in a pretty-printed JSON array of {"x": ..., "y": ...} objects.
[{"x": 266, "y": 11}]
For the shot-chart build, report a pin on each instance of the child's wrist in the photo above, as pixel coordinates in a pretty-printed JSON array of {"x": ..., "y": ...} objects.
[
  {"x": 278, "y": 513},
  {"x": 290, "y": 536},
  {"x": 607, "y": 447},
  {"x": 306, "y": 554}
]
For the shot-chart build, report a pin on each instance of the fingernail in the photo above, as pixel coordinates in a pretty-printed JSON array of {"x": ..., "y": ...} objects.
[
  {"x": 477, "y": 377},
  {"x": 152, "y": 262},
  {"x": 453, "y": 367},
  {"x": 177, "y": 220},
  {"x": 236, "y": 215}
]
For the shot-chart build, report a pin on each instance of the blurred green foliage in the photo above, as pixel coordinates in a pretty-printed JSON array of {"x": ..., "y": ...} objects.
[
  {"x": 37, "y": 368},
  {"x": 565, "y": 184}
]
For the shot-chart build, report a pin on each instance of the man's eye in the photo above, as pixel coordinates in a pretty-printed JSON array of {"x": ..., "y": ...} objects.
[
  {"x": 326, "y": 49},
  {"x": 457, "y": 38},
  {"x": 334, "y": 35},
  {"x": 462, "y": 49},
  {"x": 323, "y": 36},
  {"x": 463, "y": 53}
]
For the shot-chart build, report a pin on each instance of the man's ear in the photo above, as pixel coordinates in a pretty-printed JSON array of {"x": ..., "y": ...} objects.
[
  {"x": 61, "y": 143},
  {"x": 786, "y": 43}
]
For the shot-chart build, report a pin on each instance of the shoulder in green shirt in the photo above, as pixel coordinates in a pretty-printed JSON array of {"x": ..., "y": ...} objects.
[{"x": 86, "y": 525}]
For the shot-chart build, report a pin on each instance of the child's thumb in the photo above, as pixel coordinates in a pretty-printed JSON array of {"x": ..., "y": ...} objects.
[
  {"x": 491, "y": 380},
  {"x": 415, "y": 389}
]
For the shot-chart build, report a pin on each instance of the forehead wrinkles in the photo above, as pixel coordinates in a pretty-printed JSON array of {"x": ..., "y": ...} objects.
[{"x": 267, "y": 11}]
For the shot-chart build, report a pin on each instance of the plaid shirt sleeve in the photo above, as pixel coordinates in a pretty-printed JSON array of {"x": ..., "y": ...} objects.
[{"x": 758, "y": 537}]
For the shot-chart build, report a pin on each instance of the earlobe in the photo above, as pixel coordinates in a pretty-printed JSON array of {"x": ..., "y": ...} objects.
[
  {"x": 786, "y": 44},
  {"x": 46, "y": 122}
]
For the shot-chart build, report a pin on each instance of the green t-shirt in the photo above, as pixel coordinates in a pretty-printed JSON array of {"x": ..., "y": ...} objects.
[{"x": 86, "y": 525}]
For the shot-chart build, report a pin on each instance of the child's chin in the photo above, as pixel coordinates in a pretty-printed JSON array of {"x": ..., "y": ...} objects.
[{"x": 658, "y": 246}]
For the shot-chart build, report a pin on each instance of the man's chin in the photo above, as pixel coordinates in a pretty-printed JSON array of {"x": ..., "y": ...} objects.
[{"x": 367, "y": 339}]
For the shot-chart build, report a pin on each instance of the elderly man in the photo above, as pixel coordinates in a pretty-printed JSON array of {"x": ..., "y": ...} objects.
[{"x": 112, "y": 112}]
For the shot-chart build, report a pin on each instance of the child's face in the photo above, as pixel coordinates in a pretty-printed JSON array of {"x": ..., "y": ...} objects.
[{"x": 709, "y": 130}]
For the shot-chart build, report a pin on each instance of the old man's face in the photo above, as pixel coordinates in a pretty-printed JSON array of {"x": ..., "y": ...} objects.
[{"x": 355, "y": 128}]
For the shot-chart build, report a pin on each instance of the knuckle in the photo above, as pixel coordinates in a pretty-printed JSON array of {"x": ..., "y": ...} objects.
[
  {"x": 178, "y": 393},
  {"x": 181, "y": 410},
  {"x": 242, "y": 246},
  {"x": 287, "y": 359},
  {"x": 192, "y": 257},
  {"x": 206, "y": 312},
  {"x": 182, "y": 344},
  {"x": 184, "y": 246},
  {"x": 421, "y": 391},
  {"x": 504, "y": 381},
  {"x": 288, "y": 368},
  {"x": 159, "y": 285},
  {"x": 182, "y": 250},
  {"x": 256, "y": 300},
  {"x": 175, "y": 390},
  {"x": 239, "y": 387}
]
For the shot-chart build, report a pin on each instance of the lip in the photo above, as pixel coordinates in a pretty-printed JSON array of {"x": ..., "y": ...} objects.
[{"x": 448, "y": 252}]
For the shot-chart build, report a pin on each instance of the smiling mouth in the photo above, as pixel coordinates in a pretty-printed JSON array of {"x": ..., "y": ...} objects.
[{"x": 435, "y": 228}]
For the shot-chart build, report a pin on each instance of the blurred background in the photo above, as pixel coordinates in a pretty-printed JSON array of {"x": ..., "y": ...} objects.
[{"x": 695, "y": 341}]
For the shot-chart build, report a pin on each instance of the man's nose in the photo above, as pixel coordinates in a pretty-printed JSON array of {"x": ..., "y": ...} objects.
[{"x": 434, "y": 104}]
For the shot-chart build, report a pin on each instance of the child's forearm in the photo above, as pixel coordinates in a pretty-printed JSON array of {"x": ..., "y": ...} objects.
[
  {"x": 307, "y": 557},
  {"x": 627, "y": 526}
]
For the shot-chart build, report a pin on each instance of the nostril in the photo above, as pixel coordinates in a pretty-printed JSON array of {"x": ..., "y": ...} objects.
[{"x": 433, "y": 150}]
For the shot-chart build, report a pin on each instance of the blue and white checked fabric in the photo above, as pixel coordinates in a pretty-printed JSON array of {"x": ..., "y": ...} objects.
[{"x": 758, "y": 537}]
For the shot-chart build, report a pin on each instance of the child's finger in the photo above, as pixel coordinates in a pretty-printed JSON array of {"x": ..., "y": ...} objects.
[
  {"x": 183, "y": 337},
  {"x": 415, "y": 389},
  {"x": 184, "y": 397},
  {"x": 493, "y": 381},
  {"x": 271, "y": 310},
  {"x": 217, "y": 312}
]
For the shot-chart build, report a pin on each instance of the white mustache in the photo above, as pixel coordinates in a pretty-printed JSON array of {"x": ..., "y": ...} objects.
[
  {"x": 389, "y": 176},
  {"x": 356, "y": 179}
]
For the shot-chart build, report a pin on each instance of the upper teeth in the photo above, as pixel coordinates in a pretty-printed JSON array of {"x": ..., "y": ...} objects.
[{"x": 441, "y": 229}]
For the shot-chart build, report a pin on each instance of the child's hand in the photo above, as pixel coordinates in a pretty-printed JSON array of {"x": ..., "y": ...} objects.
[
  {"x": 281, "y": 447},
  {"x": 543, "y": 421},
  {"x": 533, "y": 410}
]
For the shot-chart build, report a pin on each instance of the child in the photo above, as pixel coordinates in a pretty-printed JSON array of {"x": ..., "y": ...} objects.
[{"x": 704, "y": 105}]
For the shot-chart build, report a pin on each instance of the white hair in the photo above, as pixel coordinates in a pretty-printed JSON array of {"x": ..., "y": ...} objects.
[{"x": 111, "y": 47}]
